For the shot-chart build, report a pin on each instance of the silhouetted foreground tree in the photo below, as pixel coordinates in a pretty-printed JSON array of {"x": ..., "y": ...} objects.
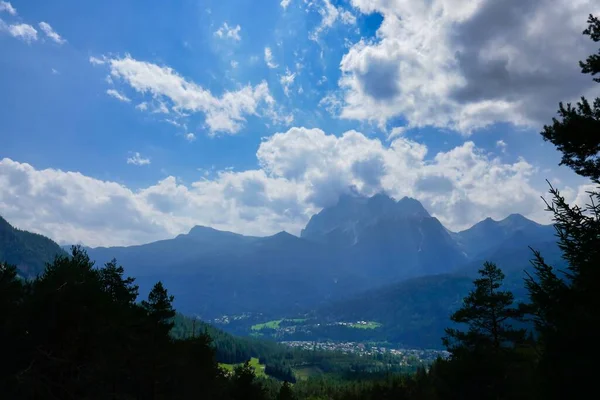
[
  {"x": 566, "y": 303},
  {"x": 76, "y": 332},
  {"x": 485, "y": 357}
]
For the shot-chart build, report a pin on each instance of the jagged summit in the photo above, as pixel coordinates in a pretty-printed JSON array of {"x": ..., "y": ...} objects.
[{"x": 353, "y": 212}]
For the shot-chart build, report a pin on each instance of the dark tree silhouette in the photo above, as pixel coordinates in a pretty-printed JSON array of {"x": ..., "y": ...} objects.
[{"x": 576, "y": 133}]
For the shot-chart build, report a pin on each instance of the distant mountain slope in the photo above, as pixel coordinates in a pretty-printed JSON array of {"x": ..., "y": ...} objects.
[
  {"x": 413, "y": 313},
  {"x": 230, "y": 273},
  {"x": 156, "y": 256},
  {"x": 352, "y": 214},
  {"x": 354, "y": 245},
  {"x": 28, "y": 251},
  {"x": 392, "y": 240},
  {"x": 488, "y": 234}
]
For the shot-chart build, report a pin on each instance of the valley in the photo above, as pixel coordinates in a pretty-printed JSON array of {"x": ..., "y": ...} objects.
[{"x": 367, "y": 269}]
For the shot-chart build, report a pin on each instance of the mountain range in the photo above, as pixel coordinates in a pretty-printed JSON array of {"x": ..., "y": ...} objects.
[{"x": 357, "y": 245}]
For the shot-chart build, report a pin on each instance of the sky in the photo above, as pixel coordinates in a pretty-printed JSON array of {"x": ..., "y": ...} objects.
[{"x": 127, "y": 122}]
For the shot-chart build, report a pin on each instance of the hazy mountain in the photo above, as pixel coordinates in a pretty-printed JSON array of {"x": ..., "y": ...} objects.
[
  {"x": 489, "y": 234},
  {"x": 357, "y": 244},
  {"x": 28, "y": 251},
  {"x": 345, "y": 222},
  {"x": 390, "y": 239}
]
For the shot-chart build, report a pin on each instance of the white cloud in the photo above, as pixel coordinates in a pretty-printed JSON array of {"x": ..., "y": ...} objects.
[
  {"x": 190, "y": 137},
  {"x": 25, "y": 32},
  {"x": 117, "y": 95},
  {"x": 230, "y": 32},
  {"x": 224, "y": 114},
  {"x": 160, "y": 108},
  {"x": 329, "y": 15},
  {"x": 55, "y": 71},
  {"x": 286, "y": 81},
  {"x": 137, "y": 159},
  {"x": 396, "y": 131},
  {"x": 300, "y": 171},
  {"x": 501, "y": 144},
  {"x": 322, "y": 80},
  {"x": 269, "y": 58},
  {"x": 97, "y": 61},
  {"x": 47, "y": 29},
  {"x": 143, "y": 106},
  {"x": 234, "y": 64},
  {"x": 285, "y": 3},
  {"x": 6, "y": 6},
  {"x": 466, "y": 65},
  {"x": 332, "y": 103},
  {"x": 347, "y": 17}
]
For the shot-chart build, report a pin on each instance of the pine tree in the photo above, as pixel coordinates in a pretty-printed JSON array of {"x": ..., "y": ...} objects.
[
  {"x": 286, "y": 392},
  {"x": 245, "y": 385},
  {"x": 487, "y": 310},
  {"x": 483, "y": 355},
  {"x": 121, "y": 290},
  {"x": 565, "y": 303},
  {"x": 159, "y": 306},
  {"x": 577, "y": 133}
]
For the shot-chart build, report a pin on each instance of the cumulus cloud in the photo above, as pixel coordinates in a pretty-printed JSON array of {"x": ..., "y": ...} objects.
[
  {"x": 137, "y": 159},
  {"x": 47, "y": 29},
  {"x": 224, "y": 114},
  {"x": 119, "y": 96},
  {"x": 5, "y": 6},
  {"x": 190, "y": 137},
  {"x": 300, "y": 171},
  {"x": 466, "y": 65},
  {"x": 24, "y": 32},
  {"x": 285, "y": 3},
  {"x": 229, "y": 32},
  {"x": 269, "y": 58}
]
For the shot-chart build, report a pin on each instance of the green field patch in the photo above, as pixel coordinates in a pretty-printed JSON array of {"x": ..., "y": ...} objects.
[
  {"x": 267, "y": 325},
  {"x": 275, "y": 324},
  {"x": 366, "y": 325},
  {"x": 259, "y": 369}
]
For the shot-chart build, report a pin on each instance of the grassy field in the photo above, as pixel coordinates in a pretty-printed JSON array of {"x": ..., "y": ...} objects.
[
  {"x": 275, "y": 324},
  {"x": 259, "y": 369},
  {"x": 266, "y": 325},
  {"x": 368, "y": 325}
]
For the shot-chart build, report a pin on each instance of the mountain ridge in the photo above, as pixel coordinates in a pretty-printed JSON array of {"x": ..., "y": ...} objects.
[{"x": 355, "y": 245}]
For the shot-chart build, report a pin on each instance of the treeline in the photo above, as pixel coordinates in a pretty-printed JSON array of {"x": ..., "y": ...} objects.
[{"x": 77, "y": 332}]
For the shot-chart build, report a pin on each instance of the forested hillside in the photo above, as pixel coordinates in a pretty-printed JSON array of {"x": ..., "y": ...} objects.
[{"x": 28, "y": 251}]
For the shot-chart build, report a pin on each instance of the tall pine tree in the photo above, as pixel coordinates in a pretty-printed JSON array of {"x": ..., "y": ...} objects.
[
  {"x": 483, "y": 355},
  {"x": 566, "y": 303}
]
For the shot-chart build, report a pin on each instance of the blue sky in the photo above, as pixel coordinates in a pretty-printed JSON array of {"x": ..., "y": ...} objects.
[{"x": 234, "y": 113}]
